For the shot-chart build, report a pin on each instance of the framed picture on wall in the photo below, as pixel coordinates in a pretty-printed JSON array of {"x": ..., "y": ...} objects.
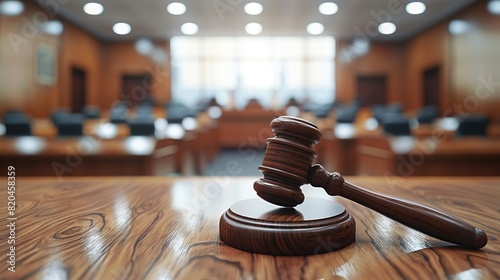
[{"x": 46, "y": 64}]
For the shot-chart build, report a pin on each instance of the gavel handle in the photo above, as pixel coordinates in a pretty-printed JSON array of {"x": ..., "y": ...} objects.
[{"x": 422, "y": 218}]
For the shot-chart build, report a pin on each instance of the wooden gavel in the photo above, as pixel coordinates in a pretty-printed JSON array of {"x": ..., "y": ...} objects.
[{"x": 287, "y": 166}]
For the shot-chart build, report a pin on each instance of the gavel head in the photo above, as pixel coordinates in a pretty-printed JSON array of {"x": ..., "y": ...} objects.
[{"x": 289, "y": 156}]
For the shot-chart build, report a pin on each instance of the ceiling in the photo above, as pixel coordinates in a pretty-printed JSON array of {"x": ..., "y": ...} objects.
[{"x": 150, "y": 19}]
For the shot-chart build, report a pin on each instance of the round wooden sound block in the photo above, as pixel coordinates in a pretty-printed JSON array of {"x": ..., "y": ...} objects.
[{"x": 313, "y": 227}]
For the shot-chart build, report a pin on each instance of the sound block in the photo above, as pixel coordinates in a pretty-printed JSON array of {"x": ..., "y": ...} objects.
[{"x": 313, "y": 227}]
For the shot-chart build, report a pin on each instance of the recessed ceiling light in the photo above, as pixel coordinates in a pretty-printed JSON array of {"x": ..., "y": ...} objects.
[
  {"x": 253, "y": 8},
  {"x": 458, "y": 27},
  {"x": 415, "y": 8},
  {"x": 189, "y": 28},
  {"x": 93, "y": 8},
  {"x": 11, "y": 8},
  {"x": 176, "y": 8},
  {"x": 122, "y": 28},
  {"x": 53, "y": 27},
  {"x": 387, "y": 28},
  {"x": 315, "y": 28},
  {"x": 253, "y": 28},
  {"x": 494, "y": 7},
  {"x": 328, "y": 8}
]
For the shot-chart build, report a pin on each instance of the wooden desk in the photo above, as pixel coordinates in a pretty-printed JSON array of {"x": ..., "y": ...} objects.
[
  {"x": 166, "y": 228},
  {"x": 88, "y": 156},
  {"x": 337, "y": 149},
  {"x": 45, "y": 128},
  {"x": 404, "y": 156},
  {"x": 248, "y": 127}
]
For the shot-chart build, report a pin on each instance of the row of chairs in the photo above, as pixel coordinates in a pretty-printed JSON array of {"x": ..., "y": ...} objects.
[
  {"x": 394, "y": 122},
  {"x": 72, "y": 124},
  {"x": 390, "y": 117}
]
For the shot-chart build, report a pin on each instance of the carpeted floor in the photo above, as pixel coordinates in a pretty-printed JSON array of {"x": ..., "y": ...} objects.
[{"x": 233, "y": 162}]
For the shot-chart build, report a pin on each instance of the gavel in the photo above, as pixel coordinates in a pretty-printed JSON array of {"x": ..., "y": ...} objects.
[{"x": 287, "y": 166}]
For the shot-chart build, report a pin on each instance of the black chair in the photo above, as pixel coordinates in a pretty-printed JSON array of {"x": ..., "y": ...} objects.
[
  {"x": 142, "y": 126},
  {"x": 12, "y": 115},
  {"x": 323, "y": 111},
  {"x": 203, "y": 106},
  {"x": 144, "y": 110},
  {"x": 70, "y": 126},
  {"x": 17, "y": 125},
  {"x": 475, "y": 125},
  {"x": 397, "y": 128},
  {"x": 118, "y": 114},
  {"x": 59, "y": 115},
  {"x": 427, "y": 114},
  {"x": 176, "y": 112},
  {"x": 380, "y": 111},
  {"x": 310, "y": 107},
  {"x": 346, "y": 114},
  {"x": 91, "y": 112}
]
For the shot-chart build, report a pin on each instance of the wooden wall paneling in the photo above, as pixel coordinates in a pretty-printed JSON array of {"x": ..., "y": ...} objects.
[
  {"x": 382, "y": 59},
  {"x": 20, "y": 38},
  {"x": 475, "y": 72},
  {"x": 115, "y": 66},
  {"x": 427, "y": 50},
  {"x": 82, "y": 51}
]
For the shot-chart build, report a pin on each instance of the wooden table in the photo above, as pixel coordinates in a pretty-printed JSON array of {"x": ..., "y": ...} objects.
[
  {"x": 405, "y": 156},
  {"x": 246, "y": 128},
  {"x": 167, "y": 228},
  {"x": 88, "y": 156}
]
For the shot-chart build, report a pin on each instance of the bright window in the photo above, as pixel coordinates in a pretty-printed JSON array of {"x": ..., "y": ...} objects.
[{"x": 237, "y": 69}]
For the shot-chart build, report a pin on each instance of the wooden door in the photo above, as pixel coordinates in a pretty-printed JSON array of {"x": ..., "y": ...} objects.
[
  {"x": 431, "y": 87},
  {"x": 136, "y": 89},
  {"x": 371, "y": 90},
  {"x": 78, "y": 89}
]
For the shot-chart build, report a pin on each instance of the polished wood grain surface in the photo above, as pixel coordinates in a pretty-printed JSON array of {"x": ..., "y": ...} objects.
[{"x": 167, "y": 228}]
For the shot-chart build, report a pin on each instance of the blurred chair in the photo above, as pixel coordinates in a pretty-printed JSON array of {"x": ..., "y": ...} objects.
[
  {"x": 144, "y": 110},
  {"x": 176, "y": 112},
  {"x": 310, "y": 106},
  {"x": 12, "y": 115},
  {"x": 396, "y": 126},
  {"x": 148, "y": 101},
  {"x": 71, "y": 125},
  {"x": 200, "y": 107},
  {"x": 427, "y": 115},
  {"x": 91, "y": 112},
  {"x": 475, "y": 125},
  {"x": 142, "y": 126},
  {"x": 380, "y": 111},
  {"x": 118, "y": 114},
  {"x": 323, "y": 111},
  {"x": 346, "y": 114},
  {"x": 175, "y": 105},
  {"x": 17, "y": 125},
  {"x": 59, "y": 115}
]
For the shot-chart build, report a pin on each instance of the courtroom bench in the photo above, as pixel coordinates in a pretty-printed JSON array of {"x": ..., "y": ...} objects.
[{"x": 433, "y": 156}]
